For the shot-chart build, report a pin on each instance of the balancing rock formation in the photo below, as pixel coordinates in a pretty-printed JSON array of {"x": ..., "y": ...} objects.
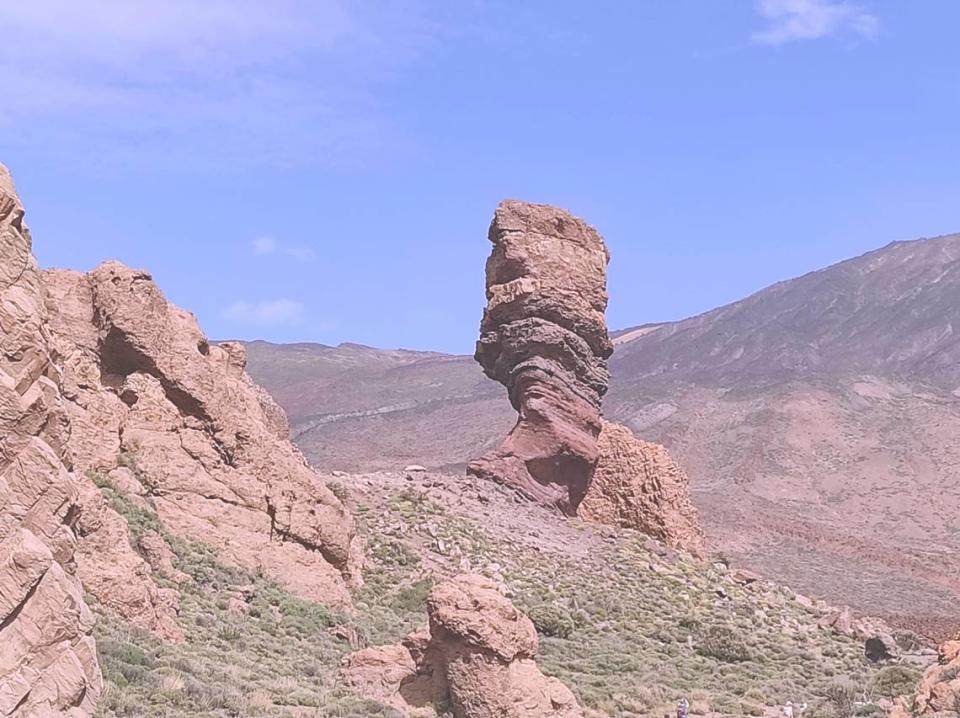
[
  {"x": 476, "y": 657},
  {"x": 48, "y": 660},
  {"x": 173, "y": 422},
  {"x": 544, "y": 337}
]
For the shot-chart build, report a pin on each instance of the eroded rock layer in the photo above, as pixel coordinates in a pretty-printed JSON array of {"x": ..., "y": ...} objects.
[
  {"x": 544, "y": 337},
  {"x": 48, "y": 660},
  {"x": 477, "y": 657},
  {"x": 939, "y": 689},
  {"x": 637, "y": 485},
  {"x": 167, "y": 418}
]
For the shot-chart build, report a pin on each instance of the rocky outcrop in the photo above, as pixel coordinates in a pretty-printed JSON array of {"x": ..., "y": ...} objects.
[
  {"x": 637, "y": 485},
  {"x": 544, "y": 337},
  {"x": 477, "y": 658},
  {"x": 113, "y": 571},
  {"x": 939, "y": 689},
  {"x": 173, "y": 422},
  {"x": 48, "y": 660}
]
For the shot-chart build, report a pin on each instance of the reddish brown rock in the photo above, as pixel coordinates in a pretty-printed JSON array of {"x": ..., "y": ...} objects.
[
  {"x": 939, "y": 689},
  {"x": 745, "y": 577},
  {"x": 158, "y": 554},
  {"x": 544, "y": 337},
  {"x": 113, "y": 571},
  {"x": 182, "y": 429},
  {"x": 48, "y": 661},
  {"x": 840, "y": 620},
  {"x": 637, "y": 485},
  {"x": 477, "y": 657}
]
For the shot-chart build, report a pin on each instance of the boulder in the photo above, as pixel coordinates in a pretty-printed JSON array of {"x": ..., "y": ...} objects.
[
  {"x": 881, "y": 647},
  {"x": 544, "y": 337},
  {"x": 48, "y": 659},
  {"x": 745, "y": 577},
  {"x": 477, "y": 657},
  {"x": 840, "y": 621},
  {"x": 637, "y": 485}
]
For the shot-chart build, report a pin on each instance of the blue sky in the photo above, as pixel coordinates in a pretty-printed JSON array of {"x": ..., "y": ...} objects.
[{"x": 326, "y": 171}]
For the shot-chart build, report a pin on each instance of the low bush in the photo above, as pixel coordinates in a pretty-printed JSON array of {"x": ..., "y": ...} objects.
[
  {"x": 723, "y": 643},
  {"x": 893, "y": 681},
  {"x": 552, "y": 620}
]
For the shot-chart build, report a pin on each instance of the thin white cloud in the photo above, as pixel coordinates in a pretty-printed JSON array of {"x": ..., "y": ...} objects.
[
  {"x": 268, "y": 313},
  {"x": 269, "y": 245},
  {"x": 793, "y": 20},
  {"x": 264, "y": 245},
  {"x": 193, "y": 83}
]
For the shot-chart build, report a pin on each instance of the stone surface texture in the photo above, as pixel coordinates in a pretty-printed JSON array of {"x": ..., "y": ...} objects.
[
  {"x": 172, "y": 421},
  {"x": 544, "y": 337},
  {"x": 637, "y": 485},
  {"x": 48, "y": 660},
  {"x": 939, "y": 690},
  {"x": 477, "y": 657}
]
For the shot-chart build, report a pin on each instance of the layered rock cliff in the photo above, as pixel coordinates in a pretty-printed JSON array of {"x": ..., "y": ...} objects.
[
  {"x": 162, "y": 414},
  {"x": 108, "y": 390},
  {"x": 48, "y": 660},
  {"x": 544, "y": 337}
]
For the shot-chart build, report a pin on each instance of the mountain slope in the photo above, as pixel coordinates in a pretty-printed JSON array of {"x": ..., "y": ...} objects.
[
  {"x": 890, "y": 312},
  {"x": 816, "y": 419}
]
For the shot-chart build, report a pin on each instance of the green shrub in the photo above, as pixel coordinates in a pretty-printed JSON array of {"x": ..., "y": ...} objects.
[
  {"x": 908, "y": 641},
  {"x": 552, "y": 620},
  {"x": 338, "y": 490},
  {"x": 413, "y": 597},
  {"x": 723, "y": 643},
  {"x": 893, "y": 681},
  {"x": 128, "y": 461},
  {"x": 841, "y": 696}
]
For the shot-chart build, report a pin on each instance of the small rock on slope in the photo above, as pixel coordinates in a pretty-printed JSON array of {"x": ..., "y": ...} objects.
[{"x": 477, "y": 657}]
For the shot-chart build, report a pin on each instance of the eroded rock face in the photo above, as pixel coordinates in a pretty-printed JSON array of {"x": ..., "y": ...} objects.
[
  {"x": 939, "y": 689},
  {"x": 48, "y": 660},
  {"x": 544, "y": 337},
  {"x": 637, "y": 485},
  {"x": 477, "y": 657},
  {"x": 174, "y": 422}
]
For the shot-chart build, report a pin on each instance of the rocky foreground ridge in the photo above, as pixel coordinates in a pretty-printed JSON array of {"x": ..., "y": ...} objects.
[
  {"x": 104, "y": 384},
  {"x": 164, "y": 415},
  {"x": 48, "y": 661}
]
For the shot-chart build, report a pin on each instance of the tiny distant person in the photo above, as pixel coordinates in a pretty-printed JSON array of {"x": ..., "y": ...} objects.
[
  {"x": 788, "y": 710},
  {"x": 683, "y": 708}
]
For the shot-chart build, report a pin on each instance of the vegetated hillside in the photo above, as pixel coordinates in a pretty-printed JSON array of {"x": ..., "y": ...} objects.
[
  {"x": 628, "y": 624},
  {"x": 817, "y": 420}
]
